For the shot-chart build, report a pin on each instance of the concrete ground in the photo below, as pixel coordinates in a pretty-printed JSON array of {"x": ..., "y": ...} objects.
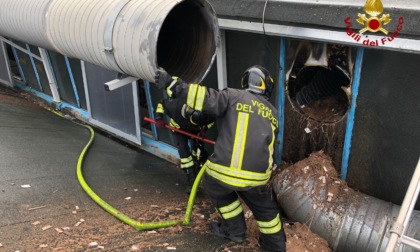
[{"x": 40, "y": 149}]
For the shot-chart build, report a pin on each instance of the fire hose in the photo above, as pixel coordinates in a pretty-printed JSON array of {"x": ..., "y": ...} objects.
[{"x": 139, "y": 226}]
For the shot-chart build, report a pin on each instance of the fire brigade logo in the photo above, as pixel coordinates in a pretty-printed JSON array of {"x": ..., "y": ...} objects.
[
  {"x": 374, "y": 9},
  {"x": 373, "y": 20}
]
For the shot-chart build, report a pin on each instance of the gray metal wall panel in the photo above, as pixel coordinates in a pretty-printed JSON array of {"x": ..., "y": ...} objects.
[
  {"x": 385, "y": 145},
  {"x": 115, "y": 108}
]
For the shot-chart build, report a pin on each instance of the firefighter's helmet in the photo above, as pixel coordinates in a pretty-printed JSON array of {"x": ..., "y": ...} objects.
[{"x": 258, "y": 80}]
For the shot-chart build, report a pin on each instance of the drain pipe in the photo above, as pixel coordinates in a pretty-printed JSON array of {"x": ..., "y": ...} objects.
[
  {"x": 311, "y": 192},
  {"x": 128, "y": 36}
]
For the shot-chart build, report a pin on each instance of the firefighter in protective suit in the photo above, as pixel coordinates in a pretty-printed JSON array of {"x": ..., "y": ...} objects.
[
  {"x": 191, "y": 151},
  {"x": 242, "y": 161}
]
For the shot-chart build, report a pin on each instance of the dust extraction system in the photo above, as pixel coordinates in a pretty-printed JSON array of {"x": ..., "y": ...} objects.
[{"x": 132, "y": 37}]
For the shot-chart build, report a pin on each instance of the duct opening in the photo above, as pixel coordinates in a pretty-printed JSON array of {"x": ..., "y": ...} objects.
[
  {"x": 318, "y": 92},
  {"x": 188, "y": 41}
]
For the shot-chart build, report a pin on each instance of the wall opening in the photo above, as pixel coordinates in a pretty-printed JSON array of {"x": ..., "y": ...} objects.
[{"x": 318, "y": 87}]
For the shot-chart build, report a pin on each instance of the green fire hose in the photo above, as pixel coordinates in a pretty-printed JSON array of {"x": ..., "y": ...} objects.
[{"x": 139, "y": 226}]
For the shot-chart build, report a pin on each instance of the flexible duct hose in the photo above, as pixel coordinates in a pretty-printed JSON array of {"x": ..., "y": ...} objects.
[
  {"x": 139, "y": 226},
  {"x": 311, "y": 192}
]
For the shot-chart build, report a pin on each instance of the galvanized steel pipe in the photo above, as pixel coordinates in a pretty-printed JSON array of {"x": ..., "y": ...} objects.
[
  {"x": 128, "y": 36},
  {"x": 349, "y": 221}
]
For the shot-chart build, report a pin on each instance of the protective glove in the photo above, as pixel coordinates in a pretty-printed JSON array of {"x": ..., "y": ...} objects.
[
  {"x": 160, "y": 123},
  {"x": 162, "y": 78},
  {"x": 203, "y": 131}
]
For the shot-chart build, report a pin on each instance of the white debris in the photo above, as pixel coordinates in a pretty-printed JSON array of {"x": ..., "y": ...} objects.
[
  {"x": 46, "y": 227},
  {"x": 323, "y": 179},
  {"x": 136, "y": 190},
  {"x": 134, "y": 248},
  {"x": 330, "y": 194},
  {"x": 101, "y": 247},
  {"x": 36, "y": 223},
  {"x": 315, "y": 206},
  {"x": 329, "y": 199},
  {"x": 307, "y": 130},
  {"x": 248, "y": 214},
  {"x": 66, "y": 228},
  {"x": 1, "y": 245},
  {"x": 77, "y": 207},
  {"x": 35, "y": 208},
  {"x": 82, "y": 220},
  {"x": 128, "y": 198},
  {"x": 165, "y": 244},
  {"x": 305, "y": 169},
  {"x": 152, "y": 232},
  {"x": 154, "y": 206},
  {"x": 93, "y": 245},
  {"x": 171, "y": 248},
  {"x": 74, "y": 212},
  {"x": 325, "y": 168},
  {"x": 337, "y": 181},
  {"x": 77, "y": 224},
  {"x": 25, "y": 186},
  {"x": 202, "y": 216},
  {"x": 43, "y": 245},
  {"x": 177, "y": 208},
  {"x": 58, "y": 230},
  {"x": 177, "y": 184}
]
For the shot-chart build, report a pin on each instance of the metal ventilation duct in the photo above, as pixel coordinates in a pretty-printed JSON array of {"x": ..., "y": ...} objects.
[{"x": 128, "y": 36}]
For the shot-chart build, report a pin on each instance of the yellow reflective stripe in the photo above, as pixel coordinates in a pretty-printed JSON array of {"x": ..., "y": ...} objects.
[
  {"x": 159, "y": 108},
  {"x": 230, "y": 207},
  {"x": 185, "y": 160},
  {"x": 242, "y": 174},
  {"x": 271, "y": 148},
  {"x": 192, "y": 95},
  {"x": 173, "y": 124},
  {"x": 241, "y": 183},
  {"x": 240, "y": 140},
  {"x": 270, "y": 227},
  {"x": 187, "y": 165},
  {"x": 233, "y": 213},
  {"x": 231, "y": 210},
  {"x": 210, "y": 125},
  {"x": 200, "y": 98},
  {"x": 169, "y": 88}
]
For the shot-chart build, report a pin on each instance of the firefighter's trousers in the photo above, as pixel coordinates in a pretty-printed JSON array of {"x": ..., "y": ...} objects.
[{"x": 258, "y": 199}]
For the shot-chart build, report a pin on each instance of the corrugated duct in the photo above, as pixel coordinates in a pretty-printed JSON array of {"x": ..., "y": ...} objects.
[
  {"x": 311, "y": 192},
  {"x": 128, "y": 36}
]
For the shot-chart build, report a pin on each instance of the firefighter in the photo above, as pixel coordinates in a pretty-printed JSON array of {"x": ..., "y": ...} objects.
[
  {"x": 191, "y": 151},
  {"x": 242, "y": 161}
]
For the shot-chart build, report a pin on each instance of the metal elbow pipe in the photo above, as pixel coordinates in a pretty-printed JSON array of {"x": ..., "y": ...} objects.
[
  {"x": 349, "y": 220},
  {"x": 128, "y": 36}
]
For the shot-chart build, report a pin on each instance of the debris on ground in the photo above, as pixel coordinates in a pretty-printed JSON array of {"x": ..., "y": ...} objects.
[{"x": 46, "y": 227}]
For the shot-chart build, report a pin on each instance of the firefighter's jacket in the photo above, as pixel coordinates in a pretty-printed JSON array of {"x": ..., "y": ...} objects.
[{"x": 247, "y": 127}]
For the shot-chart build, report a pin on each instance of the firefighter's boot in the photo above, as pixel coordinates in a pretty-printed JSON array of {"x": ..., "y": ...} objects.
[{"x": 191, "y": 175}]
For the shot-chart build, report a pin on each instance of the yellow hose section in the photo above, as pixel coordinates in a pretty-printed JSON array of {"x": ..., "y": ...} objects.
[{"x": 124, "y": 218}]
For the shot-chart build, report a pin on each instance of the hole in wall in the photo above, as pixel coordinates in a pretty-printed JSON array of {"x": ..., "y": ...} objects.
[{"x": 320, "y": 91}]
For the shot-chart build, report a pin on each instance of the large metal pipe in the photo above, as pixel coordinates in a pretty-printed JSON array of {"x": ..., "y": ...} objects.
[
  {"x": 128, "y": 36},
  {"x": 311, "y": 192}
]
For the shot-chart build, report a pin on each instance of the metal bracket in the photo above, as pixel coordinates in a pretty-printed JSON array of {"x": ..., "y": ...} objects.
[
  {"x": 117, "y": 83},
  {"x": 397, "y": 228}
]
